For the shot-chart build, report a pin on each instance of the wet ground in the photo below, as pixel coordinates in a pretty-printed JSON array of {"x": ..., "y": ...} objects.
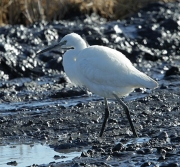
[{"x": 39, "y": 107}]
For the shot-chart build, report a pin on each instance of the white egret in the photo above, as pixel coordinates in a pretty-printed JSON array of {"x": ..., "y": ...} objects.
[{"x": 104, "y": 71}]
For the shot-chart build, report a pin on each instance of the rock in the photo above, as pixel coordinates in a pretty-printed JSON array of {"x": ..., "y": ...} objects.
[
  {"x": 12, "y": 163},
  {"x": 172, "y": 71},
  {"x": 163, "y": 136},
  {"x": 84, "y": 154},
  {"x": 118, "y": 147},
  {"x": 146, "y": 164}
]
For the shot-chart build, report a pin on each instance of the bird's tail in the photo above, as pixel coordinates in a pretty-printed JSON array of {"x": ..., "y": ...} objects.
[{"x": 146, "y": 81}]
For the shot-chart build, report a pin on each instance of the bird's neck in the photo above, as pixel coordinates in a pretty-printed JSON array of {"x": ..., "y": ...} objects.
[{"x": 80, "y": 45}]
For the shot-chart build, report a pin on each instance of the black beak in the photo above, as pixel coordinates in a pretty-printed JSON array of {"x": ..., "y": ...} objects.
[{"x": 51, "y": 47}]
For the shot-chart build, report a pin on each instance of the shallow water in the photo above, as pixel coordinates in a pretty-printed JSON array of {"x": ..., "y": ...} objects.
[
  {"x": 15, "y": 107},
  {"x": 11, "y": 108},
  {"x": 138, "y": 140},
  {"x": 36, "y": 153}
]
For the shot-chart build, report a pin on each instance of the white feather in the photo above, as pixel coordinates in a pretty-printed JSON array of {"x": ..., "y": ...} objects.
[{"x": 104, "y": 71}]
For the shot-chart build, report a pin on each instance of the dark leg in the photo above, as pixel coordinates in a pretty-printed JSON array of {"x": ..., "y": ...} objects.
[
  {"x": 127, "y": 113},
  {"x": 105, "y": 117}
]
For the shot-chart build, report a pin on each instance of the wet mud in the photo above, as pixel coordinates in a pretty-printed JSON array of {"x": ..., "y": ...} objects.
[{"x": 38, "y": 104}]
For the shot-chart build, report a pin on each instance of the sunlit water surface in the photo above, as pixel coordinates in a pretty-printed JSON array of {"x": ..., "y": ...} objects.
[{"x": 26, "y": 155}]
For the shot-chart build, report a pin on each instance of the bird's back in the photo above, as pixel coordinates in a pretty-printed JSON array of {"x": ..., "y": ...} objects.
[{"x": 105, "y": 71}]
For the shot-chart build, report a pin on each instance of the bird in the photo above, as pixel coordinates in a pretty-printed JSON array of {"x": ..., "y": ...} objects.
[{"x": 102, "y": 70}]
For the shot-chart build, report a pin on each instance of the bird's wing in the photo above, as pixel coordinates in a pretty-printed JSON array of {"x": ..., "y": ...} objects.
[{"x": 104, "y": 66}]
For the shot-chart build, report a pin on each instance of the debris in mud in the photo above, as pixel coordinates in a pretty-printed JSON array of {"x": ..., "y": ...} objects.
[
  {"x": 172, "y": 71},
  {"x": 12, "y": 163}
]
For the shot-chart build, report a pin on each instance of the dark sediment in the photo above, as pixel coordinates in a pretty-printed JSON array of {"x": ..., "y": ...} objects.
[{"x": 32, "y": 88}]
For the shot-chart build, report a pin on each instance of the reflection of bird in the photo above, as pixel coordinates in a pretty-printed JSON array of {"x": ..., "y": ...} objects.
[{"x": 102, "y": 70}]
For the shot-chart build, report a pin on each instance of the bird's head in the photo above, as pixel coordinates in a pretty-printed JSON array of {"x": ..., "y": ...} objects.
[{"x": 69, "y": 41}]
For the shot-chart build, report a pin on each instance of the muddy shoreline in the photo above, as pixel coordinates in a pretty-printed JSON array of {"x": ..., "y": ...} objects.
[
  {"x": 38, "y": 104},
  {"x": 156, "y": 118}
]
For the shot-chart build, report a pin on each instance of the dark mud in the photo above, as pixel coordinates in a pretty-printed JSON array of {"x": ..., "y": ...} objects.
[{"x": 38, "y": 103}]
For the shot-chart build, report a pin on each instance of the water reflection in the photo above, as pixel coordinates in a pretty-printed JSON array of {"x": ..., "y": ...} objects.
[{"x": 26, "y": 155}]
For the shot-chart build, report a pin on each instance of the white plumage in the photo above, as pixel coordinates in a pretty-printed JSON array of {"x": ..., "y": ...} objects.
[{"x": 104, "y": 71}]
